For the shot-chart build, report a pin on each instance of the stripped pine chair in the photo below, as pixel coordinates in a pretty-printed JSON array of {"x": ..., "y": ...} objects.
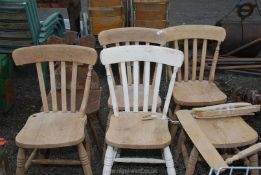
[
  {"x": 136, "y": 128},
  {"x": 195, "y": 86},
  {"x": 55, "y": 128}
]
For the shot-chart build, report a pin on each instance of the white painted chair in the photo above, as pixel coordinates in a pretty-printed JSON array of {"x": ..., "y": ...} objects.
[{"x": 139, "y": 129}]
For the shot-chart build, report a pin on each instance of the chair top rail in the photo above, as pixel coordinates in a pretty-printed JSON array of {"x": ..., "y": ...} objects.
[
  {"x": 54, "y": 52},
  {"x": 195, "y": 31},
  {"x": 132, "y": 34},
  {"x": 157, "y": 54}
]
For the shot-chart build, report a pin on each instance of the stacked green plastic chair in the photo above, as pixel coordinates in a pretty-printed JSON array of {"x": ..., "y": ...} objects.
[{"x": 20, "y": 25}]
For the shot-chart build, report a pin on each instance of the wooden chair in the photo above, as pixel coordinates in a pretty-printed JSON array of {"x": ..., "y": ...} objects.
[
  {"x": 195, "y": 86},
  {"x": 224, "y": 128},
  {"x": 53, "y": 128},
  {"x": 139, "y": 129},
  {"x": 130, "y": 36}
]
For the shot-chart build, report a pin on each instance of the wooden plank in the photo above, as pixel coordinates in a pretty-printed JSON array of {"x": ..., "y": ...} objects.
[
  {"x": 159, "y": 7},
  {"x": 150, "y": 15},
  {"x": 199, "y": 139},
  {"x": 16, "y": 15},
  {"x": 105, "y": 11},
  {"x": 15, "y": 43},
  {"x": 104, "y": 3},
  {"x": 15, "y": 34},
  {"x": 105, "y": 23},
  {"x": 14, "y": 26},
  {"x": 158, "y": 24}
]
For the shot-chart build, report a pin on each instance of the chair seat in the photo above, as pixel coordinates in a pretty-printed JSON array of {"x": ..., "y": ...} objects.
[
  {"x": 228, "y": 132},
  {"x": 120, "y": 97},
  {"x": 52, "y": 130},
  {"x": 131, "y": 132},
  {"x": 198, "y": 93}
]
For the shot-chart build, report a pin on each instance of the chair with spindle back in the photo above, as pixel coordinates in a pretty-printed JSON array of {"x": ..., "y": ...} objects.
[
  {"x": 139, "y": 128},
  {"x": 130, "y": 36},
  {"x": 55, "y": 128},
  {"x": 193, "y": 87}
]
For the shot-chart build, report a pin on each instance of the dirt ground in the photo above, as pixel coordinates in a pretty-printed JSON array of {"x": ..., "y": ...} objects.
[{"x": 28, "y": 99}]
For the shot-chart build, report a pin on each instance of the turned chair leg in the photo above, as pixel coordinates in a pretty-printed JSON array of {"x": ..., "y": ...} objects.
[
  {"x": 190, "y": 167},
  {"x": 20, "y": 164},
  {"x": 107, "y": 126},
  {"x": 254, "y": 163},
  {"x": 88, "y": 145},
  {"x": 85, "y": 161},
  {"x": 169, "y": 161},
  {"x": 174, "y": 128},
  {"x": 108, "y": 160},
  {"x": 181, "y": 140}
]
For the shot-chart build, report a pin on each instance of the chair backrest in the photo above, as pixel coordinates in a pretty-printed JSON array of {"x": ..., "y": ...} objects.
[
  {"x": 197, "y": 34},
  {"x": 131, "y": 36},
  {"x": 19, "y": 24},
  {"x": 63, "y": 54},
  {"x": 135, "y": 54}
]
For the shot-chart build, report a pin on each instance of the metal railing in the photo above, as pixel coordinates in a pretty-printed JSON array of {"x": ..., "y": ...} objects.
[{"x": 233, "y": 170}]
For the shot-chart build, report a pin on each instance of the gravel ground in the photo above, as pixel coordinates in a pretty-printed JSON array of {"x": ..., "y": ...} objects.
[{"x": 28, "y": 98}]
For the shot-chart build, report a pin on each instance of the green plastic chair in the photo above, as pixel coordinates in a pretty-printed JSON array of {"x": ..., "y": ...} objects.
[{"x": 20, "y": 25}]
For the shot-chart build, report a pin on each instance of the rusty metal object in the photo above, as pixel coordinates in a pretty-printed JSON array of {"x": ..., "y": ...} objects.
[{"x": 241, "y": 31}]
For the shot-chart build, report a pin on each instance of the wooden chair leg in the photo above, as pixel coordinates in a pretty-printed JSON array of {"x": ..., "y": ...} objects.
[
  {"x": 174, "y": 128},
  {"x": 101, "y": 121},
  {"x": 85, "y": 161},
  {"x": 254, "y": 163},
  {"x": 181, "y": 140},
  {"x": 107, "y": 126},
  {"x": 169, "y": 161},
  {"x": 93, "y": 129},
  {"x": 29, "y": 160},
  {"x": 190, "y": 167},
  {"x": 108, "y": 160},
  {"x": 20, "y": 164},
  {"x": 88, "y": 145}
]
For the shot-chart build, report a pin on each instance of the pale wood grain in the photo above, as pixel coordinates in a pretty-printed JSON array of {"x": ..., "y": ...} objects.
[
  {"x": 195, "y": 31},
  {"x": 53, "y": 86},
  {"x": 132, "y": 34},
  {"x": 193, "y": 93},
  {"x": 200, "y": 140},
  {"x": 63, "y": 86},
  {"x": 42, "y": 86},
  {"x": 52, "y": 130},
  {"x": 151, "y": 134},
  {"x": 54, "y": 52}
]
